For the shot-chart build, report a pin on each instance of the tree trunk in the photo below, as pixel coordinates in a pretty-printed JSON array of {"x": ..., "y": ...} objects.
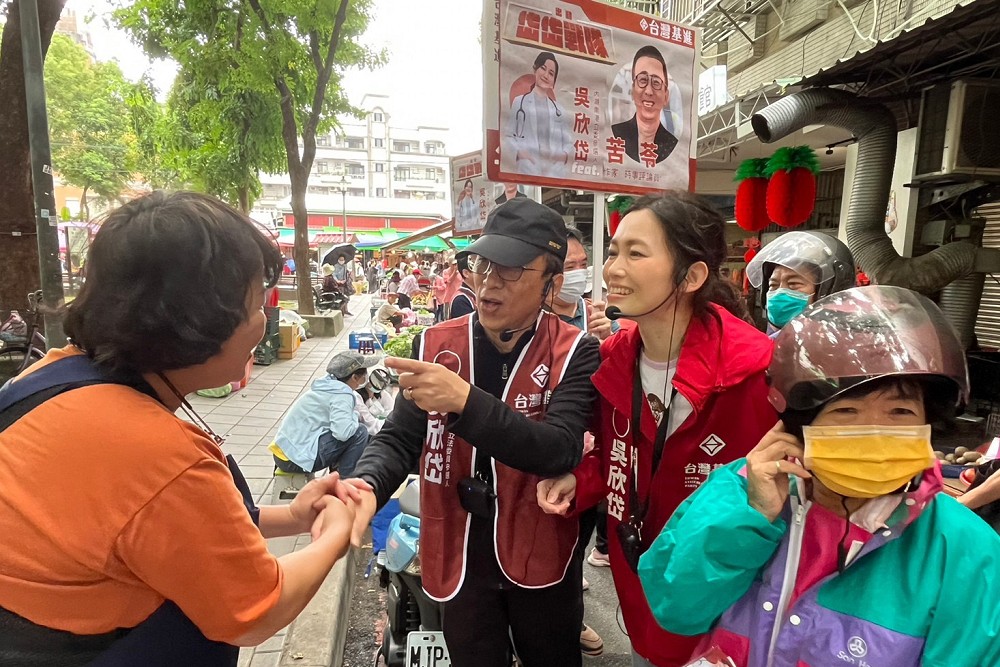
[
  {"x": 243, "y": 195},
  {"x": 84, "y": 206},
  {"x": 300, "y": 183},
  {"x": 18, "y": 243}
]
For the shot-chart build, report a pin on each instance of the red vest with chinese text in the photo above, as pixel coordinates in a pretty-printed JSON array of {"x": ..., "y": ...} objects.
[{"x": 533, "y": 548}]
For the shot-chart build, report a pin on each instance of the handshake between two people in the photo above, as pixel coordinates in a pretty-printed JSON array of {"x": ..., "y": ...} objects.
[{"x": 334, "y": 504}]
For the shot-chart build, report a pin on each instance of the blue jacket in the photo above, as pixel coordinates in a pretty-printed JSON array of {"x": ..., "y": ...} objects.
[{"x": 328, "y": 407}]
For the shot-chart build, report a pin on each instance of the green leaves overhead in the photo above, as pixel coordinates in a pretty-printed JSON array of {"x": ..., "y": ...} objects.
[
  {"x": 94, "y": 144},
  {"x": 234, "y": 47},
  {"x": 246, "y": 58}
]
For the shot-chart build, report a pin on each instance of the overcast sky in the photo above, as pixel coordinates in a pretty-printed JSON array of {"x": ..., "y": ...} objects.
[{"x": 434, "y": 73}]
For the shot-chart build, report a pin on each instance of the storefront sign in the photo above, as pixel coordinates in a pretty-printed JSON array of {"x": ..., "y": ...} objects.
[{"x": 712, "y": 91}]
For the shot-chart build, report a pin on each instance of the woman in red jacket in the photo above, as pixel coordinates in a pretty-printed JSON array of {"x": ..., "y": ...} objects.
[{"x": 691, "y": 374}]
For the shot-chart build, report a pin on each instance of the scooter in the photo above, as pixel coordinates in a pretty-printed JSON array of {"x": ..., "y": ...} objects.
[
  {"x": 412, "y": 637},
  {"x": 409, "y": 608}
]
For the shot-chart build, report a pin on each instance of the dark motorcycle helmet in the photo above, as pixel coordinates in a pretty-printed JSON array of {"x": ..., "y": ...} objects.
[
  {"x": 822, "y": 258},
  {"x": 860, "y": 336}
]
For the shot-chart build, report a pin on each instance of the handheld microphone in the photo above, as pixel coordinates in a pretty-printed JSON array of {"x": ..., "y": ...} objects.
[
  {"x": 507, "y": 335},
  {"x": 615, "y": 313}
]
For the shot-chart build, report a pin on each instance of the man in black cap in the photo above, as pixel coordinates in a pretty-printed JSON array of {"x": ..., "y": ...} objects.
[{"x": 490, "y": 403}]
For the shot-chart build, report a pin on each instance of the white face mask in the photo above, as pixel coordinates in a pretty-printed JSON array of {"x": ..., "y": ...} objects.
[{"x": 574, "y": 285}]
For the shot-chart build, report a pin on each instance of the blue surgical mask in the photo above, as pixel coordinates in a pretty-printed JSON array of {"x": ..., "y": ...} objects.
[{"x": 783, "y": 304}]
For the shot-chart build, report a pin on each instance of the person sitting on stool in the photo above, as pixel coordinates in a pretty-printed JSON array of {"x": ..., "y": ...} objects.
[
  {"x": 322, "y": 430},
  {"x": 388, "y": 314}
]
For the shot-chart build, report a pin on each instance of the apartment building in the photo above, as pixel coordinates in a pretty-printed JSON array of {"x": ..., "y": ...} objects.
[{"x": 371, "y": 158}]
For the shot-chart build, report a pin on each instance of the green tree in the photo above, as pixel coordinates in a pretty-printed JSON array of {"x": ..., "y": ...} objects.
[
  {"x": 294, "y": 52},
  {"x": 221, "y": 143},
  {"x": 154, "y": 134},
  {"x": 18, "y": 244},
  {"x": 94, "y": 146}
]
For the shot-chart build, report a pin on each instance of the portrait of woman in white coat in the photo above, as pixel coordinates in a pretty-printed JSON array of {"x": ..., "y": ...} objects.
[
  {"x": 536, "y": 133},
  {"x": 468, "y": 212}
]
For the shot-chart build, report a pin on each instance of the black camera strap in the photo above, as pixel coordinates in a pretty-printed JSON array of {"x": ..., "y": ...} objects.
[{"x": 637, "y": 508}]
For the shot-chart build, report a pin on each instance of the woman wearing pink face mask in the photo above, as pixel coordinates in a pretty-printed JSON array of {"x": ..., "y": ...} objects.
[{"x": 831, "y": 541}]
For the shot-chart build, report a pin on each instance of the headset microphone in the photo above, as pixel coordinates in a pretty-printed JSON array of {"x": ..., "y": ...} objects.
[
  {"x": 615, "y": 313},
  {"x": 507, "y": 335}
]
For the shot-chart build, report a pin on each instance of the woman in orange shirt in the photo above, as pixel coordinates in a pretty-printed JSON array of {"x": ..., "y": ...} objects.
[{"x": 131, "y": 536}]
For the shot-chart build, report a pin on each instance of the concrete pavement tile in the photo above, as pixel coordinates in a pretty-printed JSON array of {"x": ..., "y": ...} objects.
[
  {"x": 259, "y": 489},
  {"x": 257, "y": 472},
  {"x": 304, "y": 371},
  {"x": 253, "y": 420},
  {"x": 279, "y": 402},
  {"x": 253, "y": 395},
  {"x": 271, "y": 645},
  {"x": 246, "y": 655},
  {"x": 287, "y": 391},
  {"x": 269, "y": 411},
  {"x": 259, "y": 431},
  {"x": 270, "y": 659},
  {"x": 241, "y": 397},
  {"x": 266, "y": 380},
  {"x": 276, "y": 403},
  {"x": 248, "y": 440},
  {"x": 235, "y": 410},
  {"x": 255, "y": 459},
  {"x": 238, "y": 451},
  {"x": 227, "y": 420}
]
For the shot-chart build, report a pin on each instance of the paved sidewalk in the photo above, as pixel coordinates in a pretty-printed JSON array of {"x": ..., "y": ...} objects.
[{"x": 248, "y": 420}]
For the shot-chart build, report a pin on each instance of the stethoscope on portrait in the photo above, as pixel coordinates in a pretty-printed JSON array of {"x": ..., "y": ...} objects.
[{"x": 519, "y": 116}]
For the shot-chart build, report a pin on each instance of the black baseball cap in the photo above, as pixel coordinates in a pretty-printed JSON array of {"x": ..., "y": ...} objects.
[{"x": 518, "y": 231}]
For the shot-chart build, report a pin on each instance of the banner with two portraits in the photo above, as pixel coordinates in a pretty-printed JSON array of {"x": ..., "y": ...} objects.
[
  {"x": 474, "y": 197},
  {"x": 584, "y": 95}
]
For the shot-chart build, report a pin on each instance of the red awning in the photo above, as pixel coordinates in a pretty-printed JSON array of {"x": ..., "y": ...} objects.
[{"x": 333, "y": 237}]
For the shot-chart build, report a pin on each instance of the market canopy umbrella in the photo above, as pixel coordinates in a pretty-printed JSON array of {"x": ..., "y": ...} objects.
[{"x": 347, "y": 250}]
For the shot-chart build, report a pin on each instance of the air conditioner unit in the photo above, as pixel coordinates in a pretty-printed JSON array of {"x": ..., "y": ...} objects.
[{"x": 959, "y": 136}]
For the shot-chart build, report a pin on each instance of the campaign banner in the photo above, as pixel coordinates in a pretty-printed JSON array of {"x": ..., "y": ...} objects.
[
  {"x": 474, "y": 196},
  {"x": 584, "y": 95}
]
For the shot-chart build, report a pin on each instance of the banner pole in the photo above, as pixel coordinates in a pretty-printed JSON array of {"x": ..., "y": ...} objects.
[{"x": 600, "y": 224}]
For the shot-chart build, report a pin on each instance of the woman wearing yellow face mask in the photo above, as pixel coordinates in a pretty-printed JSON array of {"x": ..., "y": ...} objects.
[{"x": 831, "y": 543}]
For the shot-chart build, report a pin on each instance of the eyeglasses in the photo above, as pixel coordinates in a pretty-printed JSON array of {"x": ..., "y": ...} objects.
[
  {"x": 642, "y": 80},
  {"x": 482, "y": 267}
]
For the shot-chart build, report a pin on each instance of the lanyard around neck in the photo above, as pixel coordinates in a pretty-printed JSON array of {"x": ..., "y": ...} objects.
[{"x": 637, "y": 509}]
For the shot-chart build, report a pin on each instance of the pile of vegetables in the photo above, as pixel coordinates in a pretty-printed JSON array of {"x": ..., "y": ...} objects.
[
  {"x": 961, "y": 456},
  {"x": 402, "y": 345}
]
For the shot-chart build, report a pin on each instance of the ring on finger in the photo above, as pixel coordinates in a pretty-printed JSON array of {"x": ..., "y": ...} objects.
[{"x": 777, "y": 464}]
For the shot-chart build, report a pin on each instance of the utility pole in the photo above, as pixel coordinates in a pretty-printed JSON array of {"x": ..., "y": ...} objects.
[
  {"x": 46, "y": 218},
  {"x": 342, "y": 186}
]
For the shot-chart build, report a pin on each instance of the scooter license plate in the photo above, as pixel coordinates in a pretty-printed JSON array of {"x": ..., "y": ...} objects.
[{"x": 426, "y": 649}]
